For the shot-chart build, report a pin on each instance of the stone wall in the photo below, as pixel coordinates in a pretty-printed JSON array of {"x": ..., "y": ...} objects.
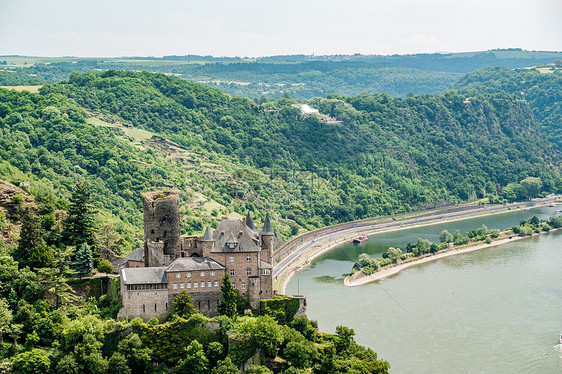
[{"x": 162, "y": 223}]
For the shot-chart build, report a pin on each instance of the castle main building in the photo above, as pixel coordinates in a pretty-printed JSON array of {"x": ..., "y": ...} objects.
[{"x": 196, "y": 264}]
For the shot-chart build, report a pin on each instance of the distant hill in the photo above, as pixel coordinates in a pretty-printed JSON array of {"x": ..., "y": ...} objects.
[{"x": 299, "y": 76}]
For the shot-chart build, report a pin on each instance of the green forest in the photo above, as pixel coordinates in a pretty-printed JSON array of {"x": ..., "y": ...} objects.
[
  {"x": 300, "y": 76},
  {"x": 76, "y": 156}
]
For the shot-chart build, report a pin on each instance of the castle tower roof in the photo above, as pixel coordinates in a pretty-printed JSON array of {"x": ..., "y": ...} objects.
[
  {"x": 208, "y": 237},
  {"x": 250, "y": 221},
  {"x": 267, "y": 229}
]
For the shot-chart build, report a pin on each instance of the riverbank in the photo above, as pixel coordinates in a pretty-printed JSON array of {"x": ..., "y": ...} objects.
[
  {"x": 359, "y": 279},
  {"x": 310, "y": 250}
]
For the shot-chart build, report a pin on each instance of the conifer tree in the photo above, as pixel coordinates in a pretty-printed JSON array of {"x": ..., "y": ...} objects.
[
  {"x": 183, "y": 305},
  {"x": 55, "y": 278},
  {"x": 80, "y": 225},
  {"x": 32, "y": 250},
  {"x": 227, "y": 306},
  {"x": 84, "y": 260}
]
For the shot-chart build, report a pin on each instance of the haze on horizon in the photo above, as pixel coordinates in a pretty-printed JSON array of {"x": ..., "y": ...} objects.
[{"x": 256, "y": 28}]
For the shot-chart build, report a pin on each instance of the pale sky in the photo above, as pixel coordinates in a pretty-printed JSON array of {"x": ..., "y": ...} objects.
[{"x": 255, "y": 28}]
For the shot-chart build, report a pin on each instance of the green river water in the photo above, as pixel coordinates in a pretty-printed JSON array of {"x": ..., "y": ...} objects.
[{"x": 497, "y": 310}]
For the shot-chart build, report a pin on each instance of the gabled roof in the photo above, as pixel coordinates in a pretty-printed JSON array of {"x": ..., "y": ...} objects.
[
  {"x": 194, "y": 264},
  {"x": 137, "y": 255},
  {"x": 235, "y": 230},
  {"x": 150, "y": 275}
]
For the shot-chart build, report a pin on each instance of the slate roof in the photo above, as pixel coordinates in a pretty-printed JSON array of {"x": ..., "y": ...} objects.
[
  {"x": 250, "y": 221},
  {"x": 194, "y": 264},
  {"x": 247, "y": 239},
  {"x": 267, "y": 229},
  {"x": 208, "y": 237},
  {"x": 137, "y": 255},
  {"x": 150, "y": 275}
]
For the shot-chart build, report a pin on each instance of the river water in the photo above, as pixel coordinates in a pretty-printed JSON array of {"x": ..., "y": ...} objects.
[{"x": 497, "y": 310}]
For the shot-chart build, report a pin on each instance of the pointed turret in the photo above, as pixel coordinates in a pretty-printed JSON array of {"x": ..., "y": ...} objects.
[
  {"x": 267, "y": 229},
  {"x": 207, "y": 243},
  {"x": 250, "y": 221},
  {"x": 208, "y": 237}
]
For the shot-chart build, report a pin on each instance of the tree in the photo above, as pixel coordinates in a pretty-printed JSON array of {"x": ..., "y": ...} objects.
[
  {"x": 32, "y": 250},
  {"x": 138, "y": 357},
  {"x": 195, "y": 361},
  {"x": 35, "y": 361},
  {"x": 446, "y": 237},
  {"x": 105, "y": 266},
  {"x": 5, "y": 320},
  {"x": 300, "y": 354},
  {"x": 80, "y": 225},
  {"x": 225, "y": 367},
  {"x": 227, "y": 306},
  {"x": 531, "y": 186},
  {"x": 118, "y": 364},
  {"x": 55, "y": 278},
  {"x": 84, "y": 260},
  {"x": 345, "y": 338},
  {"x": 183, "y": 305},
  {"x": 257, "y": 369},
  {"x": 214, "y": 352}
]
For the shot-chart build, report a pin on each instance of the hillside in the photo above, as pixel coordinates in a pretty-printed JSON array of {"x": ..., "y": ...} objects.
[
  {"x": 541, "y": 87},
  {"x": 300, "y": 76},
  {"x": 230, "y": 154}
]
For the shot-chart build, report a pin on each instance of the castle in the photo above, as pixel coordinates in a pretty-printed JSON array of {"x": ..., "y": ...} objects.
[{"x": 197, "y": 264}]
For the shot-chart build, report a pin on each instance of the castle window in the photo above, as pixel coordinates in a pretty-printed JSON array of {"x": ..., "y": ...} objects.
[
  {"x": 232, "y": 272},
  {"x": 216, "y": 283},
  {"x": 143, "y": 310},
  {"x": 202, "y": 273},
  {"x": 175, "y": 286},
  {"x": 188, "y": 284},
  {"x": 195, "y": 284},
  {"x": 155, "y": 307},
  {"x": 243, "y": 285},
  {"x": 212, "y": 273},
  {"x": 231, "y": 258},
  {"x": 188, "y": 274},
  {"x": 178, "y": 275},
  {"x": 265, "y": 271},
  {"x": 202, "y": 284},
  {"x": 182, "y": 285},
  {"x": 209, "y": 284},
  {"x": 248, "y": 258},
  {"x": 248, "y": 271}
]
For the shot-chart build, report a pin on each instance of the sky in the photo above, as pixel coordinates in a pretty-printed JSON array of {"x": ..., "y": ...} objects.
[{"x": 254, "y": 28}]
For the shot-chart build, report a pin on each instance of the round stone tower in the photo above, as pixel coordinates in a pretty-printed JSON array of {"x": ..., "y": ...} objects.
[{"x": 162, "y": 243}]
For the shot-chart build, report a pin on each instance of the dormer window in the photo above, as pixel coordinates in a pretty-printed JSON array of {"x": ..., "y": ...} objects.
[{"x": 231, "y": 245}]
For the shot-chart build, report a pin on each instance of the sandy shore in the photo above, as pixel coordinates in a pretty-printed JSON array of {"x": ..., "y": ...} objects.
[{"x": 392, "y": 270}]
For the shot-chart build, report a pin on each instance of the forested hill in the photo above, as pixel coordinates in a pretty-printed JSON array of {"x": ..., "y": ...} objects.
[
  {"x": 384, "y": 156},
  {"x": 300, "y": 76},
  {"x": 541, "y": 88}
]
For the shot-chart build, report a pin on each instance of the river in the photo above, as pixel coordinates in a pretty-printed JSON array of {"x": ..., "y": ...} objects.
[{"x": 496, "y": 310}]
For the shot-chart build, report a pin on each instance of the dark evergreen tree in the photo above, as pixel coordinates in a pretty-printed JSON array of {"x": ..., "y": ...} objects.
[
  {"x": 80, "y": 225},
  {"x": 84, "y": 260},
  {"x": 227, "y": 306},
  {"x": 32, "y": 250},
  {"x": 183, "y": 305}
]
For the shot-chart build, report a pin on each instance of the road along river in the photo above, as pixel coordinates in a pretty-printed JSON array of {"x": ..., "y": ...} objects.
[{"x": 496, "y": 310}]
